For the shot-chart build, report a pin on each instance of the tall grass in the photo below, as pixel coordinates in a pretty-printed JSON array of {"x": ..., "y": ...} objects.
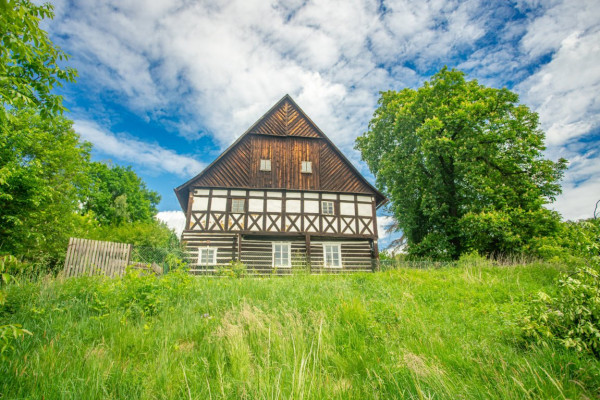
[{"x": 439, "y": 333}]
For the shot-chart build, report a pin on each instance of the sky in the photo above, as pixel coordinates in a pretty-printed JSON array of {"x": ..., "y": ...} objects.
[{"x": 165, "y": 86}]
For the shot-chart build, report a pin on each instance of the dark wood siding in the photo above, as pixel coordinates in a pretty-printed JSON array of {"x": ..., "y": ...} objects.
[
  {"x": 336, "y": 175},
  {"x": 286, "y": 120},
  {"x": 286, "y": 155},
  {"x": 257, "y": 253},
  {"x": 232, "y": 170}
]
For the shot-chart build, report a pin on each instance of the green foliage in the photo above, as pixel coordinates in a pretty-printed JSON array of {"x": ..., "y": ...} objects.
[
  {"x": 117, "y": 195},
  {"x": 575, "y": 242},
  {"x": 152, "y": 233},
  {"x": 235, "y": 269},
  {"x": 462, "y": 165},
  {"x": 402, "y": 334},
  {"x": 9, "y": 333},
  {"x": 571, "y": 317},
  {"x": 29, "y": 61},
  {"x": 43, "y": 171},
  {"x": 570, "y": 314}
]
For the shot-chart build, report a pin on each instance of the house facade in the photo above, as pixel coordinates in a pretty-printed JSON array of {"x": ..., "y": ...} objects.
[{"x": 281, "y": 196}]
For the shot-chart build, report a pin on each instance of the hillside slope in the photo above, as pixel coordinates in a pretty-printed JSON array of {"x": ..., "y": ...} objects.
[{"x": 446, "y": 333}]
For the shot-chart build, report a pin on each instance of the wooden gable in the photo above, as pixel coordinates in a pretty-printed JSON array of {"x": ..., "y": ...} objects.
[
  {"x": 286, "y": 136},
  {"x": 286, "y": 119}
]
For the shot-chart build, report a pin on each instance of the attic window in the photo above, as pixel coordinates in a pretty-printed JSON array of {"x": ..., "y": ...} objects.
[
  {"x": 306, "y": 167},
  {"x": 265, "y": 165}
]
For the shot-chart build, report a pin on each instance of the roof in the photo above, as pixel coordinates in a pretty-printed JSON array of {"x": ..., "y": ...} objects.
[{"x": 284, "y": 119}]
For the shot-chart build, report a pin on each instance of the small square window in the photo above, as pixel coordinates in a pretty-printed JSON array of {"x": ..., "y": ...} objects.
[
  {"x": 332, "y": 257},
  {"x": 237, "y": 205},
  {"x": 306, "y": 167},
  {"x": 282, "y": 255},
  {"x": 327, "y": 207},
  {"x": 265, "y": 165},
  {"x": 207, "y": 256}
]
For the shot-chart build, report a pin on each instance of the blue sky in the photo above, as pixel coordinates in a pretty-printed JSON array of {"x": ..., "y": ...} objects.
[{"x": 165, "y": 86}]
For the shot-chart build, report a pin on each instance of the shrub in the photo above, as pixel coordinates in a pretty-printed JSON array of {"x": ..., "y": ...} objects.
[
  {"x": 235, "y": 269},
  {"x": 9, "y": 332},
  {"x": 571, "y": 317}
]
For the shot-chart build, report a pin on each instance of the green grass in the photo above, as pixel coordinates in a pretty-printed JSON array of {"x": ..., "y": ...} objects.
[{"x": 446, "y": 333}]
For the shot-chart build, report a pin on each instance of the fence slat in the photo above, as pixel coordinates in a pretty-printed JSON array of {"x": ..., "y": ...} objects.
[
  {"x": 80, "y": 251},
  {"x": 112, "y": 257},
  {"x": 68, "y": 257}
]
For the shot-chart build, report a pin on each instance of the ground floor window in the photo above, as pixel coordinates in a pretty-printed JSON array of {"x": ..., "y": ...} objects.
[
  {"x": 207, "y": 256},
  {"x": 332, "y": 255},
  {"x": 282, "y": 255}
]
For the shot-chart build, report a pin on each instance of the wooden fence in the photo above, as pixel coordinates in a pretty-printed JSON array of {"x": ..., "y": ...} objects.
[{"x": 93, "y": 257}]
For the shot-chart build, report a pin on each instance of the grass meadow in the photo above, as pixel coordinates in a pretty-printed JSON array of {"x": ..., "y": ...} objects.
[{"x": 449, "y": 333}]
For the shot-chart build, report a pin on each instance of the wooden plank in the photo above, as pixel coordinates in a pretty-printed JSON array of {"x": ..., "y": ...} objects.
[
  {"x": 81, "y": 253},
  {"x": 109, "y": 250},
  {"x": 128, "y": 258},
  {"x": 119, "y": 265},
  {"x": 98, "y": 262},
  {"x": 74, "y": 257},
  {"x": 67, "y": 267},
  {"x": 89, "y": 251}
]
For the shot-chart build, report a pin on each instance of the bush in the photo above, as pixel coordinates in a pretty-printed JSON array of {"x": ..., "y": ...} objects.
[
  {"x": 575, "y": 240},
  {"x": 571, "y": 317},
  {"x": 235, "y": 269}
]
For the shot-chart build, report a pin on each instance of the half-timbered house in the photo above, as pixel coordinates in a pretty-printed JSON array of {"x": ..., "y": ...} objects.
[{"x": 281, "y": 195}]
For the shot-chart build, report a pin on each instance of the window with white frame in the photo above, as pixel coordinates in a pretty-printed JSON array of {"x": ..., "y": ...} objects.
[
  {"x": 327, "y": 208},
  {"x": 265, "y": 165},
  {"x": 282, "y": 255},
  {"x": 332, "y": 255},
  {"x": 237, "y": 205},
  {"x": 306, "y": 167},
  {"x": 207, "y": 256}
]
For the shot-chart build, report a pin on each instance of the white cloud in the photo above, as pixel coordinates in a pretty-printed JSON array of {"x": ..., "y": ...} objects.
[
  {"x": 213, "y": 68},
  {"x": 174, "y": 220},
  {"x": 383, "y": 223},
  {"x": 220, "y": 66},
  {"x": 565, "y": 91},
  {"x": 134, "y": 151},
  {"x": 581, "y": 186}
]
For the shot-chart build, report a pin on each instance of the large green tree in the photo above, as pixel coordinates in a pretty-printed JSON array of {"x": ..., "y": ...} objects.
[
  {"x": 43, "y": 173},
  {"x": 117, "y": 195},
  {"x": 462, "y": 165},
  {"x": 29, "y": 62}
]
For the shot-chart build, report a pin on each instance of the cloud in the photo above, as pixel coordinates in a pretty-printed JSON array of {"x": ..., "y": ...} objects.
[
  {"x": 204, "y": 68},
  {"x": 383, "y": 223},
  {"x": 565, "y": 91},
  {"x": 174, "y": 220},
  {"x": 137, "y": 152},
  {"x": 581, "y": 186},
  {"x": 219, "y": 66}
]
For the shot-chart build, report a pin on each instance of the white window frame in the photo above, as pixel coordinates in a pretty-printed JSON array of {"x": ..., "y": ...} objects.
[
  {"x": 243, "y": 206},
  {"x": 306, "y": 167},
  {"x": 208, "y": 249},
  {"x": 338, "y": 248},
  {"x": 289, "y": 254},
  {"x": 265, "y": 165},
  {"x": 323, "y": 207}
]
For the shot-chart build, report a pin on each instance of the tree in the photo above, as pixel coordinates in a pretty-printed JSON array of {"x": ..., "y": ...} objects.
[
  {"x": 117, "y": 195},
  {"x": 462, "y": 165},
  {"x": 43, "y": 172},
  {"x": 29, "y": 61}
]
